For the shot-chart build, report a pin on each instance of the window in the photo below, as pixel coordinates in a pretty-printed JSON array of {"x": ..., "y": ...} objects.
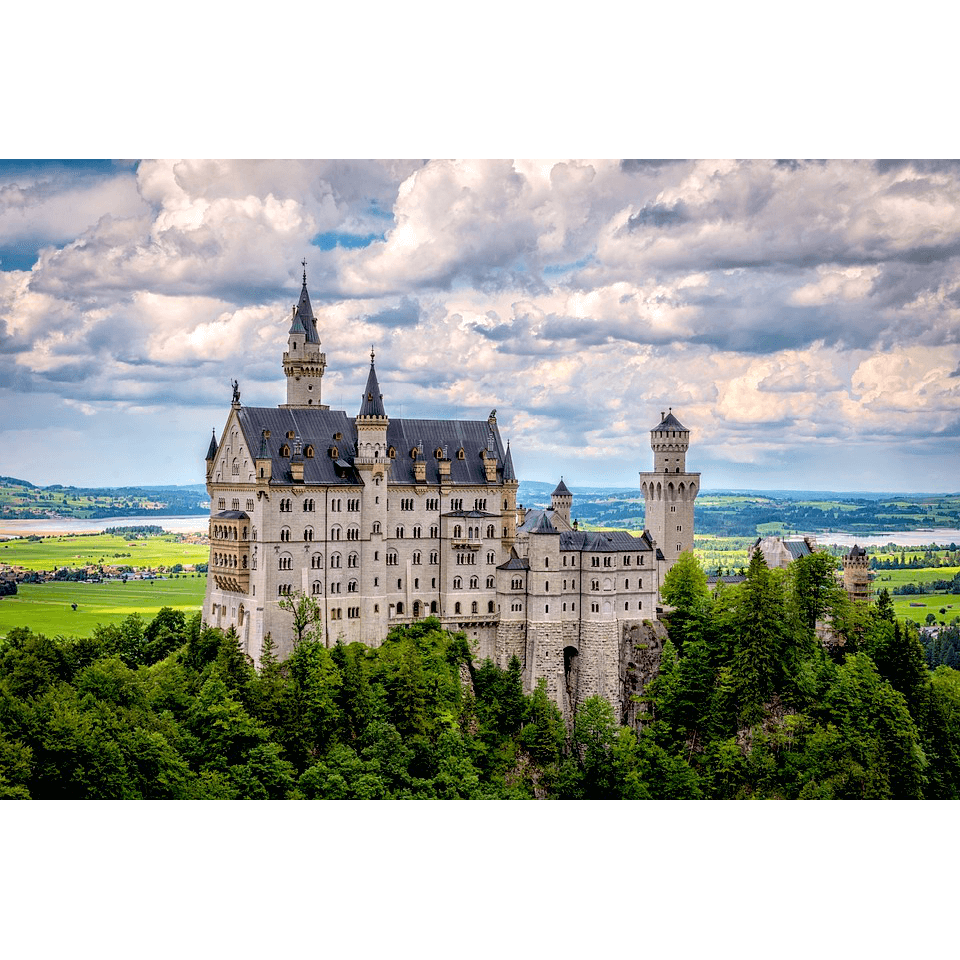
[
  {"x": 309, "y": 506},
  {"x": 353, "y": 612},
  {"x": 284, "y": 590},
  {"x": 474, "y": 583},
  {"x": 594, "y": 561},
  {"x": 546, "y": 561},
  {"x": 222, "y": 504},
  {"x": 353, "y": 533},
  {"x": 285, "y": 534},
  {"x": 594, "y": 584},
  {"x": 249, "y": 505},
  {"x": 376, "y": 526},
  {"x": 286, "y": 563},
  {"x": 491, "y": 557},
  {"x": 417, "y": 557},
  {"x": 434, "y": 532},
  {"x": 458, "y": 531},
  {"x": 564, "y": 561},
  {"x": 308, "y": 534},
  {"x": 392, "y": 558},
  {"x": 516, "y": 584},
  {"x": 352, "y": 586},
  {"x": 335, "y": 533},
  {"x": 392, "y": 452},
  {"x": 456, "y": 607},
  {"x": 399, "y": 584},
  {"x": 491, "y": 531},
  {"x": 308, "y": 449},
  {"x": 316, "y": 588},
  {"x": 434, "y": 556},
  {"x": 474, "y": 608},
  {"x": 316, "y": 561},
  {"x": 626, "y": 605},
  {"x": 546, "y": 608},
  {"x": 490, "y": 583},
  {"x": 490, "y": 607},
  {"x": 416, "y": 583},
  {"x": 626, "y": 584},
  {"x": 457, "y": 583},
  {"x": 399, "y": 533},
  {"x": 546, "y": 586},
  {"x": 335, "y": 560},
  {"x": 461, "y": 455},
  {"x": 353, "y": 560},
  {"x": 416, "y": 532}
]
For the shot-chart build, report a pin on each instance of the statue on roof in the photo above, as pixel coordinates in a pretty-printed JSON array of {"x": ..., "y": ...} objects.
[{"x": 236, "y": 391}]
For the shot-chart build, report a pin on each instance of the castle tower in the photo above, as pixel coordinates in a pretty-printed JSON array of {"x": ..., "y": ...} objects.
[
  {"x": 372, "y": 461},
  {"x": 856, "y": 575},
  {"x": 561, "y": 500},
  {"x": 303, "y": 363},
  {"x": 508, "y": 515},
  {"x": 669, "y": 490}
]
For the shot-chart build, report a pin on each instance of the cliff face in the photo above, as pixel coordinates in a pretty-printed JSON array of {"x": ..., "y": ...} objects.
[{"x": 641, "y": 643}]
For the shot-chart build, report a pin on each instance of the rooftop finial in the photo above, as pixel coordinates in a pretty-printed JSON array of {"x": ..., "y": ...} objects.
[
  {"x": 372, "y": 354},
  {"x": 304, "y": 264}
]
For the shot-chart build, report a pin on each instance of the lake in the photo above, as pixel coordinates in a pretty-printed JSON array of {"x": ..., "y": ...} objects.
[{"x": 23, "y": 528}]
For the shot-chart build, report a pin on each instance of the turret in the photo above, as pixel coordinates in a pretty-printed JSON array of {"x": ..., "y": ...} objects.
[
  {"x": 508, "y": 515},
  {"x": 303, "y": 363},
  {"x": 211, "y": 455},
  {"x": 263, "y": 463},
  {"x": 561, "y": 500},
  {"x": 856, "y": 575}
]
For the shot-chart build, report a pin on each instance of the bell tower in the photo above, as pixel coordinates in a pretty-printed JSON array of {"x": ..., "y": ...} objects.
[
  {"x": 303, "y": 363},
  {"x": 669, "y": 490}
]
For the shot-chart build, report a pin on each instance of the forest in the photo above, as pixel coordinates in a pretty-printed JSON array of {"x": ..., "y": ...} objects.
[{"x": 778, "y": 687}]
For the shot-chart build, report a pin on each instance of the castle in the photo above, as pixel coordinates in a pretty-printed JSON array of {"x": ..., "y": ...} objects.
[{"x": 385, "y": 521}]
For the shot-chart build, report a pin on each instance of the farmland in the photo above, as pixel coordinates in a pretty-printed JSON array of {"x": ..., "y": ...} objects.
[
  {"x": 47, "y": 607},
  {"x": 85, "y": 550}
]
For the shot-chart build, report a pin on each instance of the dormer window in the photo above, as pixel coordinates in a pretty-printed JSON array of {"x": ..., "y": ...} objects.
[
  {"x": 461, "y": 455},
  {"x": 438, "y": 453},
  {"x": 338, "y": 436},
  {"x": 334, "y": 453},
  {"x": 308, "y": 450},
  {"x": 392, "y": 452},
  {"x": 284, "y": 451},
  {"x": 290, "y": 434}
]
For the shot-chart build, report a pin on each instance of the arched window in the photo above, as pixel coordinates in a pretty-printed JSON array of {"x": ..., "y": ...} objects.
[
  {"x": 458, "y": 531},
  {"x": 352, "y": 586},
  {"x": 417, "y": 557},
  {"x": 335, "y": 532},
  {"x": 490, "y": 608},
  {"x": 457, "y": 583},
  {"x": 308, "y": 534},
  {"x": 490, "y": 583},
  {"x": 461, "y": 455},
  {"x": 376, "y": 526},
  {"x": 399, "y": 608},
  {"x": 456, "y": 607},
  {"x": 473, "y": 607},
  {"x": 353, "y": 560},
  {"x": 335, "y": 560},
  {"x": 285, "y": 534},
  {"x": 433, "y": 606},
  {"x": 317, "y": 588},
  {"x": 399, "y": 533},
  {"x": 474, "y": 583},
  {"x": 417, "y": 532},
  {"x": 392, "y": 452}
]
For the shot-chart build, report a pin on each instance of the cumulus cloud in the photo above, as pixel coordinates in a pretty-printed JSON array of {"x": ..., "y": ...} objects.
[{"x": 777, "y": 306}]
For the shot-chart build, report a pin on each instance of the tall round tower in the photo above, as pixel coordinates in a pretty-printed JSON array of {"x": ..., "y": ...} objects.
[
  {"x": 669, "y": 490},
  {"x": 303, "y": 363}
]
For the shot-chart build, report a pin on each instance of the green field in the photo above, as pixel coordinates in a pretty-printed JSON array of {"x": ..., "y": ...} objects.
[
  {"x": 82, "y": 550},
  {"x": 46, "y": 607},
  {"x": 932, "y": 603}
]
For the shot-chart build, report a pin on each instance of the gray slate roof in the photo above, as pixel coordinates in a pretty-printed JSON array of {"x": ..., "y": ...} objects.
[
  {"x": 305, "y": 315},
  {"x": 231, "y": 515},
  {"x": 561, "y": 490},
  {"x": 613, "y": 541},
  {"x": 670, "y": 422},
  {"x": 508, "y": 471},
  {"x": 372, "y": 403},
  {"x": 540, "y": 524},
  {"x": 515, "y": 563},
  {"x": 212, "y": 449},
  {"x": 317, "y": 427}
]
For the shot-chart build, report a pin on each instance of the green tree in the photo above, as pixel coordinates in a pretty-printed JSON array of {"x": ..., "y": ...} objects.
[{"x": 306, "y": 614}]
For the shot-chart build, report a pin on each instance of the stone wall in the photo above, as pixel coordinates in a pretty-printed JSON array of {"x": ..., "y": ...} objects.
[{"x": 641, "y": 643}]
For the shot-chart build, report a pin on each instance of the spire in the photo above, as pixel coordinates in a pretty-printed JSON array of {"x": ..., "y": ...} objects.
[
  {"x": 304, "y": 313},
  {"x": 508, "y": 473},
  {"x": 561, "y": 490},
  {"x": 212, "y": 449},
  {"x": 372, "y": 404}
]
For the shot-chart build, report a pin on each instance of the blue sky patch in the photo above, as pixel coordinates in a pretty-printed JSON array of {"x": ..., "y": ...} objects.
[{"x": 352, "y": 241}]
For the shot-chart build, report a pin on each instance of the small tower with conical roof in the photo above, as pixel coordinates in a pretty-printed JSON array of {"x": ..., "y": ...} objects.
[
  {"x": 508, "y": 515},
  {"x": 303, "y": 363},
  {"x": 561, "y": 500},
  {"x": 211, "y": 454},
  {"x": 669, "y": 491}
]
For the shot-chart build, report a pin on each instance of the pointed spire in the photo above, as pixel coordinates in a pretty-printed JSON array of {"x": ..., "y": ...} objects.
[
  {"x": 561, "y": 490},
  {"x": 372, "y": 404},
  {"x": 212, "y": 449},
  {"x": 303, "y": 315},
  {"x": 508, "y": 473}
]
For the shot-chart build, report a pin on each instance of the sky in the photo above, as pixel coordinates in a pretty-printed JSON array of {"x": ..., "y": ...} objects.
[{"x": 801, "y": 318}]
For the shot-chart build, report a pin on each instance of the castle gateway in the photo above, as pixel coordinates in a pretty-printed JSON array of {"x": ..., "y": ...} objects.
[{"x": 386, "y": 521}]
